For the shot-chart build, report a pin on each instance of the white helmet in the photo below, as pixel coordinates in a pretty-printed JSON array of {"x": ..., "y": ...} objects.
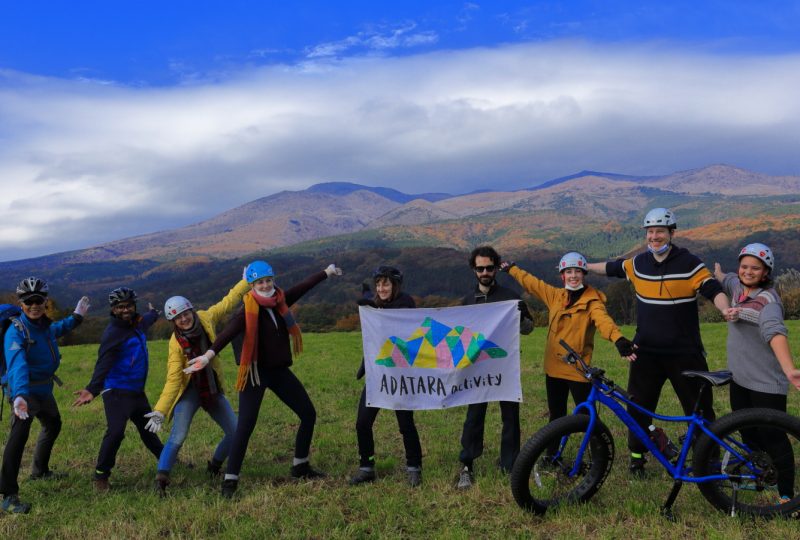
[
  {"x": 175, "y": 306},
  {"x": 759, "y": 251},
  {"x": 573, "y": 259},
  {"x": 660, "y": 217}
]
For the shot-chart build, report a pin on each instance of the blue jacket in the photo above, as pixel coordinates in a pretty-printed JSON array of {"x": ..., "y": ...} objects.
[
  {"x": 31, "y": 368},
  {"x": 122, "y": 360}
]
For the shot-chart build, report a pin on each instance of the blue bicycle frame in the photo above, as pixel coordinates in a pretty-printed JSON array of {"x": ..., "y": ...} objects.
[{"x": 611, "y": 398}]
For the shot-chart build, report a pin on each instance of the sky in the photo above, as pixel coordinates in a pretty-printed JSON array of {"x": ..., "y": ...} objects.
[{"x": 128, "y": 117}]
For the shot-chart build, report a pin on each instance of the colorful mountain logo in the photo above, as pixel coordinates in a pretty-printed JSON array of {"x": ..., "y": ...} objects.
[{"x": 436, "y": 345}]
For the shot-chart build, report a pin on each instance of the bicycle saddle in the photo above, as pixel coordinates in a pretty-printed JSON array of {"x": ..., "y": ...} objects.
[{"x": 715, "y": 378}]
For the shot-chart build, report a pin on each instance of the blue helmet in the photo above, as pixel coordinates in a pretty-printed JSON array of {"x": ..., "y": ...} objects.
[{"x": 257, "y": 270}]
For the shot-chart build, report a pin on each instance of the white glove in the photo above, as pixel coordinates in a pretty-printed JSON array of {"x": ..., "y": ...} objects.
[
  {"x": 244, "y": 273},
  {"x": 83, "y": 306},
  {"x": 21, "y": 408},
  {"x": 200, "y": 362},
  {"x": 154, "y": 424},
  {"x": 333, "y": 270}
]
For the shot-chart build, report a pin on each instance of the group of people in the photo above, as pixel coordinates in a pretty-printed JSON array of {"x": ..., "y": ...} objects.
[{"x": 666, "y": 279}]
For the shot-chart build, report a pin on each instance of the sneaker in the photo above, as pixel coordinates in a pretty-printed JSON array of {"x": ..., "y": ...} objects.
[
  {"x": 214, "y": 468},
  {"x": 362, "y": 477},
  {"x": 636, "y": 468},
  {"x": 13, "y": 505},
  {"x": 306, "y": 472},
  {"x": 101, "y": 485},
  {"x": 48, "y": 475},
  {"x": 465, "y": 479},
  {"x": 229, "y": 488},
  {"x": 162, "y": 481},
  {"x": 414, "y": 477}
]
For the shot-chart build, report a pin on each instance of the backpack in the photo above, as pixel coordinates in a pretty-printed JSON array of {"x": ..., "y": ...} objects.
[{"x": 9, "y": 314}]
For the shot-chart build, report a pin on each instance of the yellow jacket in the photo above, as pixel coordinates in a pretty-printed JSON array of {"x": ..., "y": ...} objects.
[
  {"x": 177, "y": 380},
  {"x": 576, "y": 325}
]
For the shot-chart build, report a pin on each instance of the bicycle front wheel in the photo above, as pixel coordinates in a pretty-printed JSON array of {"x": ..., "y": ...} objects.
[
  {"x": 542, "y": 474},
  {"x": 764, "y": 468}
]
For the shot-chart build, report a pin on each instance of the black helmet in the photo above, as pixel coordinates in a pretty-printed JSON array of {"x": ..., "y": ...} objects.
[
  {"x": 31, "y": 286},
  {"x": 121, "y": 294},
  {"x": 389, "y": 272}
]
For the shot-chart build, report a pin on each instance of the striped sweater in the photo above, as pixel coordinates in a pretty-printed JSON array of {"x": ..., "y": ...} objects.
[{"x": 667, "y": 320}]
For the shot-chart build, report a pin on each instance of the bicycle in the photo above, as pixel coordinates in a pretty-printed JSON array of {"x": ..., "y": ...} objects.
[{"x": 742, "y": 462}]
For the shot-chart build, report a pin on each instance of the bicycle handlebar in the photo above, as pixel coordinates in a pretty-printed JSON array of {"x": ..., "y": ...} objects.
[{"x": 592, "y": 373}]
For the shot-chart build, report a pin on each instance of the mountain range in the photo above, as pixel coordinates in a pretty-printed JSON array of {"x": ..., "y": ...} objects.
[{"x": 719, "y": 207}]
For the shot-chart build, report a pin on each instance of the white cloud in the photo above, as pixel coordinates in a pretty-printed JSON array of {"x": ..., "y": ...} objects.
[
  {"x": 378, "y": 38},
  {"x": 84, "y": 162}
]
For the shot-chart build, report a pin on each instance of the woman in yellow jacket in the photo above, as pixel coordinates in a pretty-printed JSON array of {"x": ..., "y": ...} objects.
[
  {"x": 574, "y": 314},
  {"x": 184, "y": 393}
]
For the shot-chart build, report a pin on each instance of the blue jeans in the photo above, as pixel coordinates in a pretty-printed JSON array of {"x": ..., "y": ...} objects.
[{"x": 221, "y": 412}]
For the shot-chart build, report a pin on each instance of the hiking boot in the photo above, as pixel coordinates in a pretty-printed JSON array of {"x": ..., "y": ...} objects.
[
  {"x": 465, "y": 479},
  {"x": 306, "y": 471},
  {"x": 414, "y": 477},
  {"x": 162, "y": 481},
  {"x": 101, "y": 485},
  {"x": 214, "y": 468},
  {"x": 636, "y": 467},
  {"x": 48, "y": 475},
  {"x": 13, "y": 505},
  {"x": 362, "y": 477},
  {"x": 229, "y": 488}
]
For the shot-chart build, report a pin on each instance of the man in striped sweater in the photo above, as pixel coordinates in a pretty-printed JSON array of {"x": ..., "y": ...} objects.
[{"x": 667, "y": 280}]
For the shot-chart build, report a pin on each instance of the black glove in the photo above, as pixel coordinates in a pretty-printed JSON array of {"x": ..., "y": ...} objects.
[
  {"x": 505, "y": 266},
  {"x": 625, "y": 346},
  {"x": 366, "y": 302}
]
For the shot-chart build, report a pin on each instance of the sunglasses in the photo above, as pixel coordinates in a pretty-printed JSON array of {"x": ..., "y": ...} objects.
[
  {"x": 124, "y": 307},
  {"x": 488, "y": 268},
  {"x": 34, "y": 301}
]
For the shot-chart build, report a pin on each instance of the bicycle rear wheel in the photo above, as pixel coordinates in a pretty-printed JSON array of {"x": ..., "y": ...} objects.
[
  {"x": 540, "y": 478},
  {"x": 768, "y": 442}
]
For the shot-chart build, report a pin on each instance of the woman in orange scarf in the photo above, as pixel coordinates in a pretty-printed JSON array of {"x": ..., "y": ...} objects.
[{"x": 268, "y": 325}]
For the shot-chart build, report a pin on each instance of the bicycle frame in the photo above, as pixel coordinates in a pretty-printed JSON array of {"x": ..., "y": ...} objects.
[{"x": 611, "y": 398}]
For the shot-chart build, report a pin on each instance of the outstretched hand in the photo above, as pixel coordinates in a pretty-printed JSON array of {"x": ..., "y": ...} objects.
[
  {"x": 505, "y": 266},
  {"x": 626, "y": 349},
  {"x": 333, "y": 270},
  {"x": 200, "y": 362},
  {"x": 21, "y": 408},
  {"x": 84, "y": 397},
  {"x": 83, "y": 306},
  {"x": 794, "y": 378},
  {"x": 153, "y": 425},
  {"x": 718, "y": 273}
]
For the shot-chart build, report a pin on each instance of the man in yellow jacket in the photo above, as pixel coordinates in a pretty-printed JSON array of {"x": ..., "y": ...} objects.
[
  {"x": 185, "y": 393},
  {"x": 575, "y": 313}
]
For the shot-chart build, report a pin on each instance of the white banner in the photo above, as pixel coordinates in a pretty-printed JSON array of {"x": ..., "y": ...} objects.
[{"x": 433, "y": 358}]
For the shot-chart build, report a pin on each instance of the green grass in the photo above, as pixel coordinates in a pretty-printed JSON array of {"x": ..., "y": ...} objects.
[{"x": 269, "y": 504}]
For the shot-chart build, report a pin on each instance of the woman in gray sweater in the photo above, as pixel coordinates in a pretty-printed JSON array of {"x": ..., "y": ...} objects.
[{"x": 758, "y": 348}]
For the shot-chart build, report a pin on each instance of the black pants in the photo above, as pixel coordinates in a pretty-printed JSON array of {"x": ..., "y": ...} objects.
[
  {"x": 559, "y": 389},
  {"x": 121, "y": 406},
  {"x": 366, "y": 441},
  {"x": 472, "y": 435},
  {"x": 646, "y": 379},
  {"x": 43, "y": 408},
  {"x": 290, "y": 391},
  {"x": 773, "y": 442}
]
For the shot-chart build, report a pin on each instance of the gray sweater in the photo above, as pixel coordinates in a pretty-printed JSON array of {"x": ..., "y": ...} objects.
[{"x": 750, "y": 357}]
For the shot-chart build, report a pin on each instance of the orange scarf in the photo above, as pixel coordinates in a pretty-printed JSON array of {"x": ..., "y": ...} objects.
[{"x": 248, "y": 370}]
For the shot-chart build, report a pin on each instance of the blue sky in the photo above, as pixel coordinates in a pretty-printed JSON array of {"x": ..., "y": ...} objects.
[{"x": 122, "y": 118}]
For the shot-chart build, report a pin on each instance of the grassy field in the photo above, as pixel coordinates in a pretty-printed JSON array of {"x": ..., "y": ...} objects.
[{"x": 269, "y": 504}]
